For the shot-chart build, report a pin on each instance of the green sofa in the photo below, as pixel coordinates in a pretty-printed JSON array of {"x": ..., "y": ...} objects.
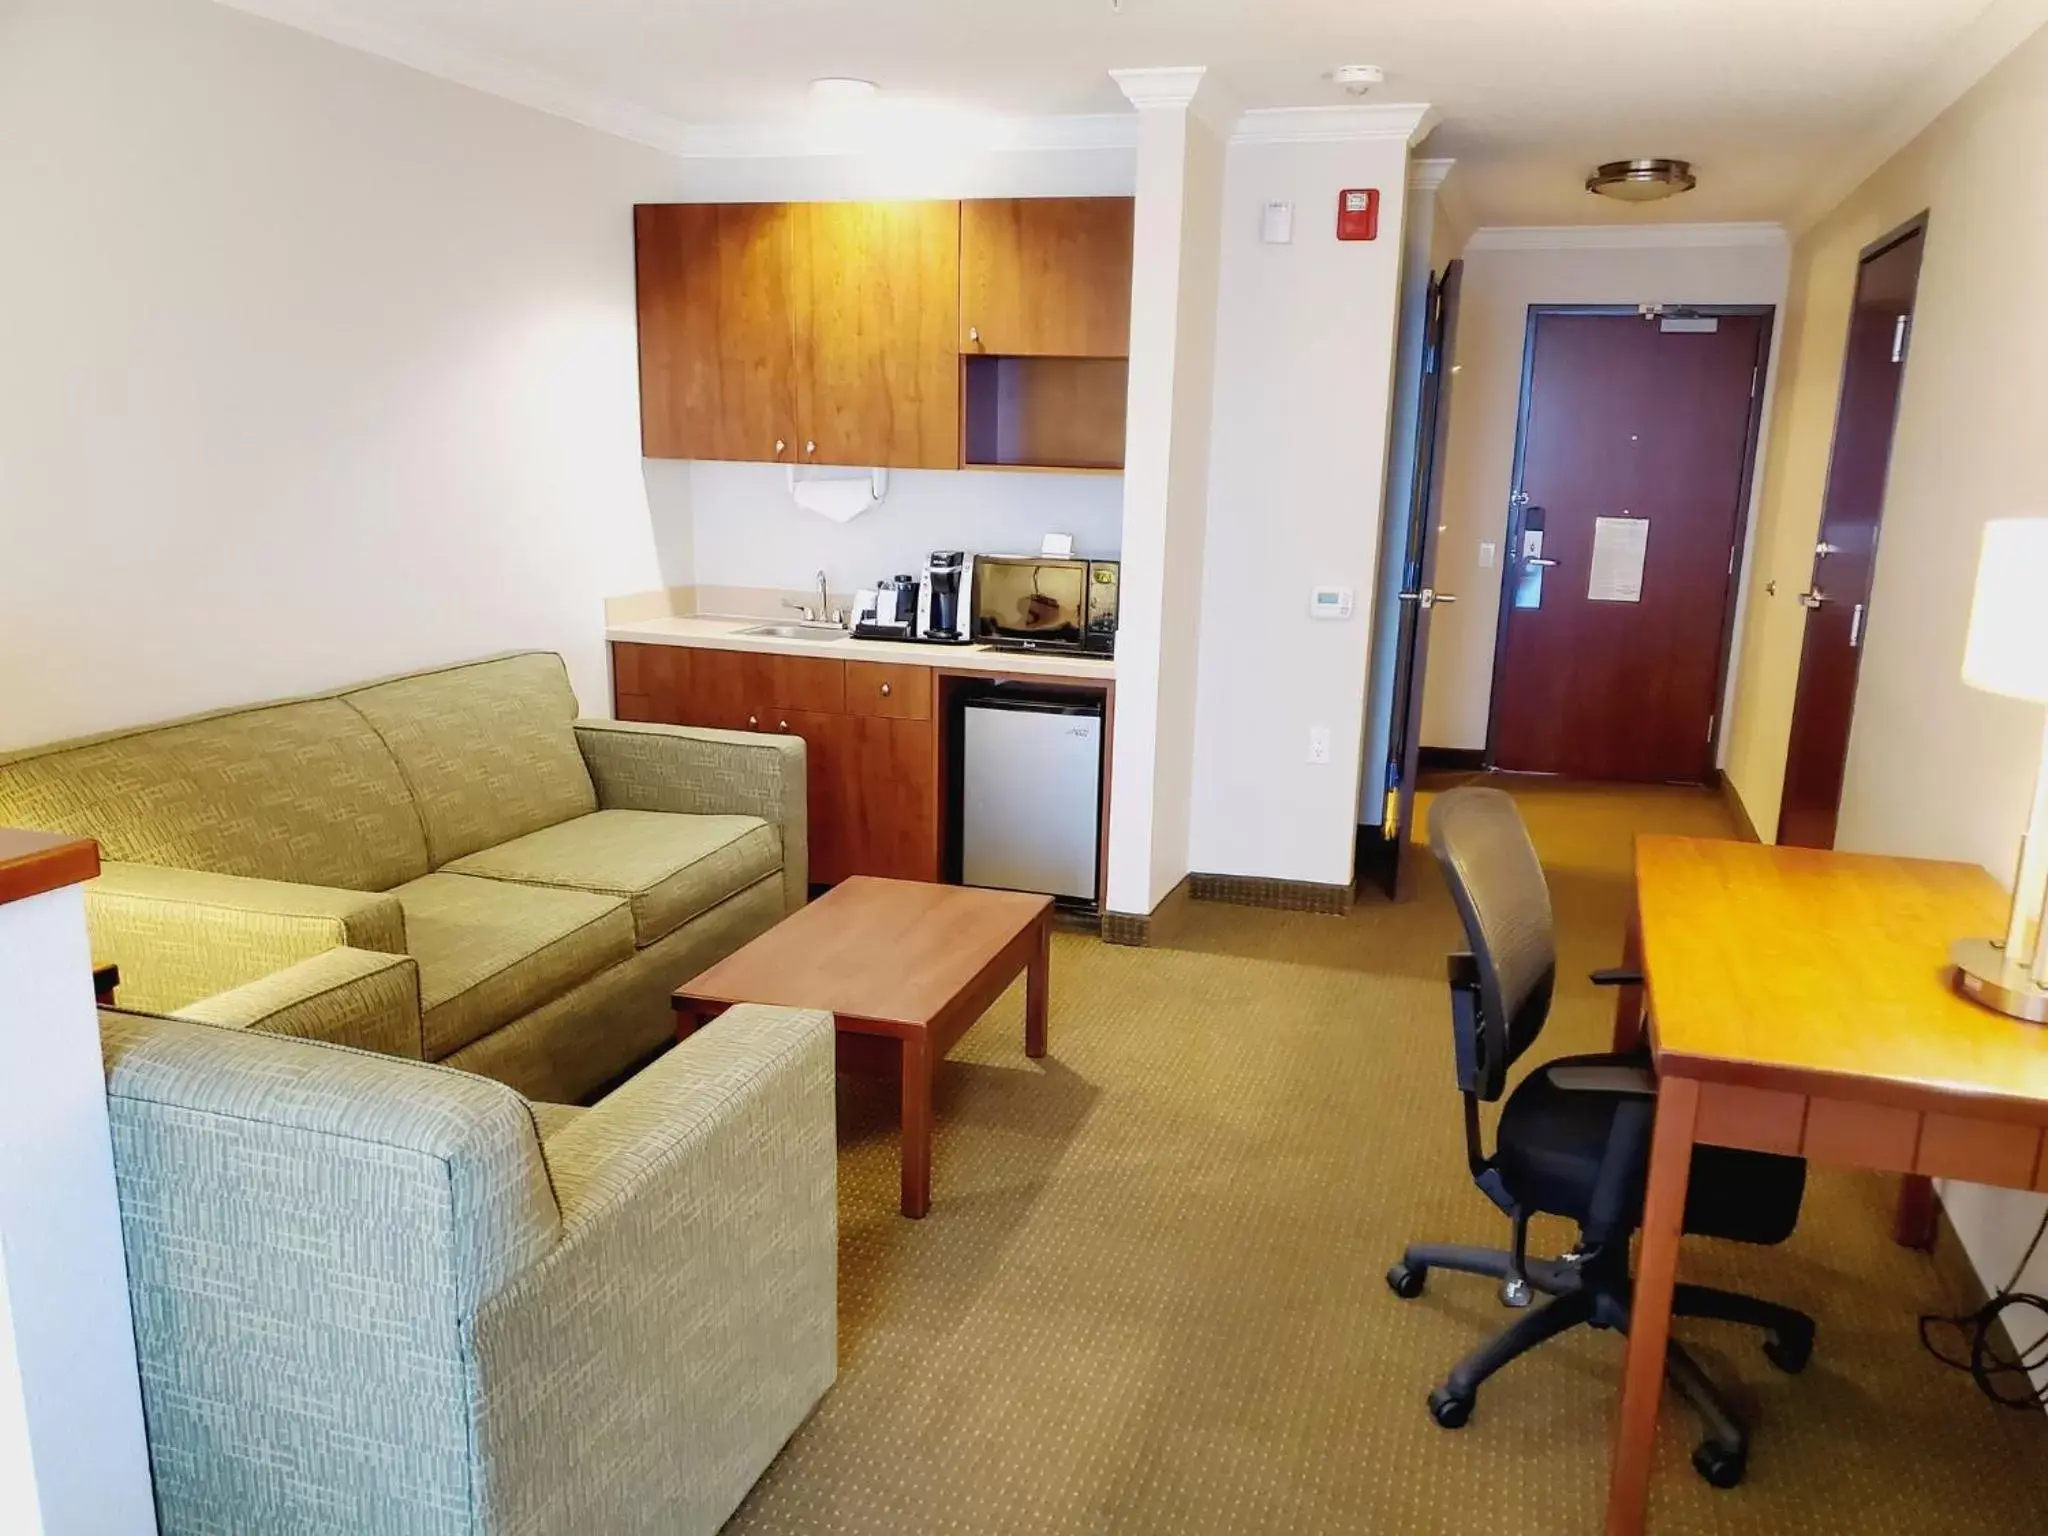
[
  {"x": 519, "y": 890},
  {"x": 380, "y": 1297}
]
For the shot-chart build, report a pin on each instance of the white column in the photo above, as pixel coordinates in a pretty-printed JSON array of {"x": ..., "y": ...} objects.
[
  {"x": 73, "y": 1459},
  {"x": 1166, "y": 472}
]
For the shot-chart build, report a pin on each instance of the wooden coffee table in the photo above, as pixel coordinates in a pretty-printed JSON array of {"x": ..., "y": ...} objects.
[{"x": 904, "y": 968}]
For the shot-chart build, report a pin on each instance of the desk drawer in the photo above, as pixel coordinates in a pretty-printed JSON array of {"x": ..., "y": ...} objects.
[{"x": 897, "y": 692}]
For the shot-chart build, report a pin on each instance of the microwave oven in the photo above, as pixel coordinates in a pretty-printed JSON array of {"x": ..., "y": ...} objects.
[{"x": 1038, "y": 603}]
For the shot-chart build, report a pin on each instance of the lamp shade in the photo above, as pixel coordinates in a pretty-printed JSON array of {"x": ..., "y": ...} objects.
[{"x": 2008, "y": 646}]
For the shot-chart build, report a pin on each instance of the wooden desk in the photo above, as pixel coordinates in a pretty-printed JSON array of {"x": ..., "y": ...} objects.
[{"x": 1798, "y": 1002}]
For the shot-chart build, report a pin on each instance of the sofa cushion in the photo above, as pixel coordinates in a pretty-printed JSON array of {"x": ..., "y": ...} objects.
[
  {"x": 489, "y": 749},
  {"x": 303, "y": 792},
  {"x": 670, "y": 867},
  {"x": 489, "y": 951}
]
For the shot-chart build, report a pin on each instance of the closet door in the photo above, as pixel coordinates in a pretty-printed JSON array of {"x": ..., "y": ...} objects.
[{"x": 1046, "y": 277}]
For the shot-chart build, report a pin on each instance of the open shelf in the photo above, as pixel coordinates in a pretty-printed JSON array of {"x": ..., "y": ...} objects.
[{"x": 1047, "y": 413}]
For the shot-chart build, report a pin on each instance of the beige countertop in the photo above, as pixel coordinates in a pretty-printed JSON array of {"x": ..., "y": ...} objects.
[{"x": 726, "y": 635}]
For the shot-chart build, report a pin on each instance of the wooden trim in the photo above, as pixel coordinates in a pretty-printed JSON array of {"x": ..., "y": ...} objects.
[
  {"x": 1451, "y": 760},
  {"x": 1737, "y": 811},
  {"x": 34, "y": 862},
  {"x": 1279, "y": 895}
]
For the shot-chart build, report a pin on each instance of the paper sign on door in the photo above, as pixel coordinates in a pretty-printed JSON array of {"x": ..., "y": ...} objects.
[{"x": 1620, "y": 545}]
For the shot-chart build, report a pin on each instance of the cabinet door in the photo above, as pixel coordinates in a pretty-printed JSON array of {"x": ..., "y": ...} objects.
[
  {"x": 1046, "y": 277},
  {"x": 826, "y": 767},
  {"x": 718, "y": 357},
  {"x": 889, "y": 805},
  {"x": 877, "y": 310}
]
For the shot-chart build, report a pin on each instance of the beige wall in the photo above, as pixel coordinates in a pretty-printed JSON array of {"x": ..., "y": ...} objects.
[{"x": 1935, "y": 768}]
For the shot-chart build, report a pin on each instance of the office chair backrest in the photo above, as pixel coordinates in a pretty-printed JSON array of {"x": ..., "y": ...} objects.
[{"x": 1497, "y": 882}]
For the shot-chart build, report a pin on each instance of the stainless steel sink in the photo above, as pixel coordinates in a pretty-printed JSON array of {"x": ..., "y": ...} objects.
[{"x": 798, "y": 631}]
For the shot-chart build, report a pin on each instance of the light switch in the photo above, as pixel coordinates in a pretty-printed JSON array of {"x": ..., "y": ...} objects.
[{"x": 1487, "y": 553}]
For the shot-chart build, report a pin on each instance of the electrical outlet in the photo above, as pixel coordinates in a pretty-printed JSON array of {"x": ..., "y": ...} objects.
[{"x": 1319, "y": 743}]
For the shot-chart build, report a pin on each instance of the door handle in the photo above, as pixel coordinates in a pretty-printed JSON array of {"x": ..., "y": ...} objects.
[
  {"x": 1810, "y": 600},
  {"x": 1539, "y": 562},
  {"x": 1429, "y": 597}
]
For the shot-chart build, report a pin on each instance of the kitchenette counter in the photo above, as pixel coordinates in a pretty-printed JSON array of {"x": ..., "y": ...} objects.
[{"x": 717, "y": 634}]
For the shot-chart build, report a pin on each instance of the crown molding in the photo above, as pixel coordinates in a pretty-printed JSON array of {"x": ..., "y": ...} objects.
[
  {"x": 1404, "y": 121},
  {"x": 1981, "y": 48},
  {"x": 1166, "y": 88},
  {"x": 1592, "y": 237},
  {"x": 1428, "y": 175},
  {"x": 1116, "y": 131}
]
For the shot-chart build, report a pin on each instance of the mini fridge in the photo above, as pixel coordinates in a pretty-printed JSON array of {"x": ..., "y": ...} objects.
[{"x": 1031, "y": 793}]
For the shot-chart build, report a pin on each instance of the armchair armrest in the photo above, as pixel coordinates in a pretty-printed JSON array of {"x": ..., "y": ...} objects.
[
  {"x": 182, "y": 934},
  {"x": 344, "y": 996},
  {"x": 706, "y": 773},
  {"x": 688, "y": 1313}
]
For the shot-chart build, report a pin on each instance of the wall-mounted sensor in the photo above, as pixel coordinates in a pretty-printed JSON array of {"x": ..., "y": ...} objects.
[
  {"x": 1276, "y": 224},
  {"x": 1330, "y": 603},
  {"x": 1357, "y": 79}
]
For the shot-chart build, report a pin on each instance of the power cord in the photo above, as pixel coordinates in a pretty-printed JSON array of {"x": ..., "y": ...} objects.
[{"x": 1991, "y": 1368}]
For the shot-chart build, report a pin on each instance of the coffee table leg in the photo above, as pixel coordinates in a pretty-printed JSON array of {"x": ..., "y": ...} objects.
[
  {"x": 917, "y": 1125},
  {"x": 1038, "y": 990}
]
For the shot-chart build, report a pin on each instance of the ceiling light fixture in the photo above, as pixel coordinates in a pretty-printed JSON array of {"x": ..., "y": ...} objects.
[
  {"x": 1357, "y": 79},
  {"x": 1642, "y": 181},
  {"x": 842, "y": 90}
]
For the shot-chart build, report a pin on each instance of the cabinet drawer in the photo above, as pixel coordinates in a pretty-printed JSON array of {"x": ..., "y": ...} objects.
[{"x": 899, "y": 692}]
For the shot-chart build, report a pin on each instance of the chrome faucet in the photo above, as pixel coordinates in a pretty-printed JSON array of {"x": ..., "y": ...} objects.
[{"x": 824, "y": 613}]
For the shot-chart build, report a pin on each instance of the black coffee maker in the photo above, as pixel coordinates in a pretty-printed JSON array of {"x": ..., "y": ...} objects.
[{"x": 944, "y": 599}]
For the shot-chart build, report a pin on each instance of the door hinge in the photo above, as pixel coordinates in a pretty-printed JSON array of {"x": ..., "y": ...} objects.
[
  {"x": 1731, "y": 559},
  {"x": 1712, "y": 721},
  {"x": 1901, "y": 333},
  {"x": 1756, "y": 377}
]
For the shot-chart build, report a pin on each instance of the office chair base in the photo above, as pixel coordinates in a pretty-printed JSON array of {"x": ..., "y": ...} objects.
[{"x": 1408, "y": 1278}]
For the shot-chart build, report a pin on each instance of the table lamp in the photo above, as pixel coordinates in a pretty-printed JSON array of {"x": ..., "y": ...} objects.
[{"x": 2008, "y": 654}]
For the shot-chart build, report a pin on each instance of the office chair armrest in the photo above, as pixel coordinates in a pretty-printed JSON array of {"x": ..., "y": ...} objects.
[
  {"x": 1618, "y": 976},
  {"x": 1636, "y": 1082}
]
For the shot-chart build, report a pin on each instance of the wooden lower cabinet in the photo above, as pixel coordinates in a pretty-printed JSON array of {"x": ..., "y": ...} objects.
[{"x": 871, "y": 773}]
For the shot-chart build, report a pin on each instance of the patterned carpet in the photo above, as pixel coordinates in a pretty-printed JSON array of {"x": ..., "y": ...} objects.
[{"x": 1149, "y": 1296}]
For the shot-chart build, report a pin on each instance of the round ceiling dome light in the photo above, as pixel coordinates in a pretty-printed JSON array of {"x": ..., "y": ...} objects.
[
  {"x": 840, "y": 90},
  {"x": 1642, "y": 181}
]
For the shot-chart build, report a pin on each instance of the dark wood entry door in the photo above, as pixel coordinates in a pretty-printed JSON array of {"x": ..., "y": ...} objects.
[
  {"x": 1419, "y": 596},
  {"x": 1615, "y": 672},
  {"x": 1837, "y": 599}
]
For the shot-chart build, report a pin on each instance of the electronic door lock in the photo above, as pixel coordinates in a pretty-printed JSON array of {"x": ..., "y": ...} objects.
[{"x": 1811, "y": 600}]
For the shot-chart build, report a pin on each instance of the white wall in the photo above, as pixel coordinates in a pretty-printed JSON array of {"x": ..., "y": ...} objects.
[
  {"x": 1507, "y": 271},
  {"x": 1935, "y": 768},
  {"x": 738, "y": 527},
  {"x": 312, "y": 368},
  {"x": 1304, "y": 362}
]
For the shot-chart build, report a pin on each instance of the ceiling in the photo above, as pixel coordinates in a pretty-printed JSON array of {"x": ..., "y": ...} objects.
[{"x": 1766, "y": 97}]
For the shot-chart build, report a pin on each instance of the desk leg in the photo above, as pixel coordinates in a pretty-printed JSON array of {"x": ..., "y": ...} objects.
[
  {"x": 1628, "y": 1002},
  {"x": 1038, "y": 989},
  {"x": 917, "y": 1124},
  {"x": 1649, "y": 1332},
  {"x": 1914, "y": 1222}
]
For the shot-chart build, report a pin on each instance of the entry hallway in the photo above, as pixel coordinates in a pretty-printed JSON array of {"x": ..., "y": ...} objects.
[{"x": 1149, "y": 1295}]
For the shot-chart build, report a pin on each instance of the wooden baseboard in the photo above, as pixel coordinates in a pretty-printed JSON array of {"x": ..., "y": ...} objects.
[
  {"x": 1140, "y": 930},
  {"x": 1278, "y": 895},
  {"x": 1744, "y": 827},
  {"x": 1452, "y": 760}
]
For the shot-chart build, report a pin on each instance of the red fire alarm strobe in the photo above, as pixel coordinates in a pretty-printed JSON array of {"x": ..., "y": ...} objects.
[{"x": 1358, "y": 214}]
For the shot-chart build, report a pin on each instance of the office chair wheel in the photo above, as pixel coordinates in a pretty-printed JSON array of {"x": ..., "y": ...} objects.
[
  {"x": 1406, "y": 1283},
  {"x": 1790, "y": 1351},
  {"x": 1720, "y": 1466},
  {"x": 1451, "y": 1410}
]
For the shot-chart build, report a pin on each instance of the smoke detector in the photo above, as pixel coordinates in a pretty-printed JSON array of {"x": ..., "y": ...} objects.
[{"x": 1357, "y": 79}]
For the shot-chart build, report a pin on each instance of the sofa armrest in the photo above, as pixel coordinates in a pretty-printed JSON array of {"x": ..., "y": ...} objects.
[
  {"x": 686, "y": 1321},
  {"x": 344, "y": 996},
  {"x": 706, "y": 773},
  {"x": 182, "y": 934}
]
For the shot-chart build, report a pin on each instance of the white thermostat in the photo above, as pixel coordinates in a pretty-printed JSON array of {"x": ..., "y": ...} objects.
[{"x": 1330, "y": 603}]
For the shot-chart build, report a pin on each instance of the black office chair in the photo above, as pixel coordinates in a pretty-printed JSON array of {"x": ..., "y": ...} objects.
[{"x": 1573, "y": 1140}]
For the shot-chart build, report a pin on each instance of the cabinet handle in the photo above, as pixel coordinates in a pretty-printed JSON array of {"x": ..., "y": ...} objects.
[
  {"x": 782, "y": 725},
  {"x": 974, "y": 334},
  {"x": 885, "y": 690},
  {"x": 810, "y": 447},
  {"x": 780, "y": 445},
  {"x": 752, "y": 721}
]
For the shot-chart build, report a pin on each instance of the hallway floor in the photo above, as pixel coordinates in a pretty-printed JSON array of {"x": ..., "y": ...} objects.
[{"x": 1149, "y": 1295}]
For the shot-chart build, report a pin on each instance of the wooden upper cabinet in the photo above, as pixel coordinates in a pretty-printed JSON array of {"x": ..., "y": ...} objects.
[
  {"x": 877, "y": 310},
  {"x": 718, "y": 348},
  {"x": 1046, "y": 277}
]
